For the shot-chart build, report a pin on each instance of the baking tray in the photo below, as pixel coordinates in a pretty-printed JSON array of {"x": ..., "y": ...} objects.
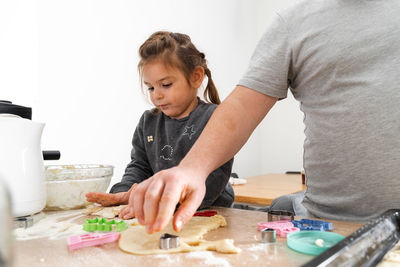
[{"x": 364, "y": 247}]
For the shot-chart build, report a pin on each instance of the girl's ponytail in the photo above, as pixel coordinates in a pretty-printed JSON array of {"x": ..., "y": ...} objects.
[{"x": 210, "y": 93}]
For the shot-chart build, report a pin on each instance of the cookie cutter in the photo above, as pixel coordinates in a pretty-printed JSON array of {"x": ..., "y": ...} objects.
[
  {"x": 268, "y": 235},
  {"x": 23, "y": 222},
  {"x": 284, "y": 232},
  {"x": 103, "y": 225},
  {"x": 206, "y": 213},
  {"x": 168, "y": 241},
  {"x": 274, "y": 225},
  {"x": 283, "y": 228},
  {"x": 27, "y": 221},
  {"x": 313, "y": 225},
  {"x": 91, "y": 239},
  {"x": 280, "y": 215}
]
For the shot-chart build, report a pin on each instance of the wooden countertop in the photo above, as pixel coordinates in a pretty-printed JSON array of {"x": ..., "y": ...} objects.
[
  {"x": 242, "y": 227},
  {"x": 262, "y": 189}
]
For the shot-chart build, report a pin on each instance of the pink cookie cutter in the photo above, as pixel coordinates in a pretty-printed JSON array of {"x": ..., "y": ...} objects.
[
  {"x": 282, "y": 228},
  {"x": 91, "y": 239}
]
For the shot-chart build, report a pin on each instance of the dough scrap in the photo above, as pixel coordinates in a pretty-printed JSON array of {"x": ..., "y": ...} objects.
[
  {"x": 91, "y": 209},
  {"x": 106, "y": 212},
  {"x": 136, "y": 240}
]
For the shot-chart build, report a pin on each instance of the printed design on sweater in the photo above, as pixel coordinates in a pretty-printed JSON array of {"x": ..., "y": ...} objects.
[
  {"x": 167, "y": 152},
  {"x": 189, "y": 131}
]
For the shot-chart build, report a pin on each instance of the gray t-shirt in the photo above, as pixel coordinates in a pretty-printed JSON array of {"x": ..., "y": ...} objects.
[
  {"x": 341, "y": 60},
  {"x": 160, "y": 142}
]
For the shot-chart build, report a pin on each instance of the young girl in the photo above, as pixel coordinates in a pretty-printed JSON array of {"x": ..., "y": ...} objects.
[{"x": 172, "y": 69}]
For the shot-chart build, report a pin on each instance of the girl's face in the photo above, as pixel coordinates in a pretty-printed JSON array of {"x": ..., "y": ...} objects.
[{"x": 169, "y": 90}]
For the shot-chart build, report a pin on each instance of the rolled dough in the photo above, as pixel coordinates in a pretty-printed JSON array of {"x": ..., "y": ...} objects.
[{"x": 136, "y": 240}]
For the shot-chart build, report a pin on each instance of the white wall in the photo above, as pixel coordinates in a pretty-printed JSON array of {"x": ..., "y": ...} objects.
[
  {"x": 74, "y": 62},
  {"x": 276, "y": 145}
]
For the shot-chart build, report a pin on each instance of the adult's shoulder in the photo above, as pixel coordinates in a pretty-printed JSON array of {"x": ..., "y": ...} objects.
[
  {"x": 303, "y": 10},
  {"x": 301, "y": 6}
]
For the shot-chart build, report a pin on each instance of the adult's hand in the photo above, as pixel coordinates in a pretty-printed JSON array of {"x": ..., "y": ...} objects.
[{"x": 154, "y": 200}]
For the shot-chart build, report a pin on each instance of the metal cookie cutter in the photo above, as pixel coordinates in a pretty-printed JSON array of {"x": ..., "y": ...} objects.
[
  {"x": 280, "y": 215},
  {"x": 23, "y": 222},
  {"x": 168, "y": 241},
  {"x": 268, "y": 235}
]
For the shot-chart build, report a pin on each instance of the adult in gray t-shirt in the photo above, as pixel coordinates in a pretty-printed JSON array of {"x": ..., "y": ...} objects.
[{"x": 341, "y": 60}]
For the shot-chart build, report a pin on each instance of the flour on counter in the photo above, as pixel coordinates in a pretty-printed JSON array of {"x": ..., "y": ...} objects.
[
  {"x": 258, "y": 247},
  {"x": 167, "y": 258},
  {"x": 209, "y": 258},
  {"x": 51, "y": 227}
]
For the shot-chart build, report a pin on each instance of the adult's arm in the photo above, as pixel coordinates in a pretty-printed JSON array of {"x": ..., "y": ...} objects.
[{"x": 154, "y": 200}]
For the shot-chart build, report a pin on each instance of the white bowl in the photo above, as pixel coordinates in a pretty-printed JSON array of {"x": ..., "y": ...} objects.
[{"x": 67, "y": 185}]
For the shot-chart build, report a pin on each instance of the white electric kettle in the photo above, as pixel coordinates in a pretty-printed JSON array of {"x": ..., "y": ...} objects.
[{"x": 21, "y": 159}]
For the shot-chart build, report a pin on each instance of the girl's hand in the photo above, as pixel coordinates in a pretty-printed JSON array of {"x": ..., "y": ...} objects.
[
  {"x": 106, "y": 199},
  {"x": 125, "y": 214},
  {"x": 154, "y": 200}
]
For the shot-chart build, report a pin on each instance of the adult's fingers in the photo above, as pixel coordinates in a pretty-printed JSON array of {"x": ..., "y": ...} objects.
[
  {"x": 136, "y": 200},
  {"x": 187, "y": 208},
  {"x": 166, "y": 207},
  {"x": 151, "y": 202}
]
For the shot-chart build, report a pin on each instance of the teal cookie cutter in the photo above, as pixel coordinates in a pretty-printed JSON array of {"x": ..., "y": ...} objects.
[{"x": 103, "y": 225}]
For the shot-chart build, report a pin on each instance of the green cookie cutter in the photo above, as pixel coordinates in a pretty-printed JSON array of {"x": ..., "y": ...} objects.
[{"x": 103, "y": 225}]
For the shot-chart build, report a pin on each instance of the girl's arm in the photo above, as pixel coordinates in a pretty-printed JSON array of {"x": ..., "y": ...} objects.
[
  {"x": 231, "y": 124},
  {"x": 106, "y": 200}
]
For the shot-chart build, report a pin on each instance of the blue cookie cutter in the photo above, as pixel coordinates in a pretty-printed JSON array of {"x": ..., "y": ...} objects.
[{"x": 313, "y": 225}]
